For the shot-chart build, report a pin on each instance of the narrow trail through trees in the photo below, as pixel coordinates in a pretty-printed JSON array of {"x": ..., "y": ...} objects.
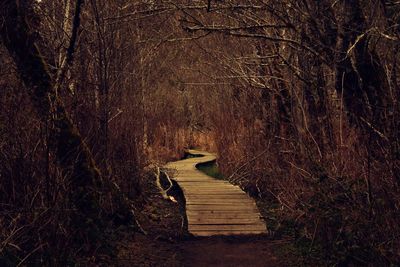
[{"x": 214, "y": 207}]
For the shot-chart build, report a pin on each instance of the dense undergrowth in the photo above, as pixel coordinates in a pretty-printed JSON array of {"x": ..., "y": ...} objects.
[
  {"x": 347, "y": 226},
  {"x": 332, "y": 220}
]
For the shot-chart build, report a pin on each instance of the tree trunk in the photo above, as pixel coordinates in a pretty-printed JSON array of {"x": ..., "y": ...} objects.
[{"x": 360, "y": 76}]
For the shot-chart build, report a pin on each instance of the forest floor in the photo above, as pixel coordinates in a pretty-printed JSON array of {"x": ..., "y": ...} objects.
[{"x": 167, "y": 242}]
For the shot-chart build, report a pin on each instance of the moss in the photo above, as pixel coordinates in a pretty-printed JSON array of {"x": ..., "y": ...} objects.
[{"x": 211, "y": 169}]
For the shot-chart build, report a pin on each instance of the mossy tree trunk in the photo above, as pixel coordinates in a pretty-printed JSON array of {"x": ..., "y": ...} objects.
[{"x": 72, "y": 153}]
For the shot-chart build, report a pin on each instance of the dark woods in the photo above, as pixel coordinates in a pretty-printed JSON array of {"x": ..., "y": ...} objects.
[{"x": 298, "y": 98}]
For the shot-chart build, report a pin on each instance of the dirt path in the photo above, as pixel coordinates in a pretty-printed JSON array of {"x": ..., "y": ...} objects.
[{"x": 229, "y": 251}]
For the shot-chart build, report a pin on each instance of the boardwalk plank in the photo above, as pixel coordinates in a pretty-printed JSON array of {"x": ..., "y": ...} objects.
[
  {"x": 226, "y": 227},
  {"x": 220, "y": 208},
  {"x": 201, "y": 220},
  {"x": 219, "y": 201},
  {"x": 221, "y": 214},
  {"x": 219, "y": 232}
]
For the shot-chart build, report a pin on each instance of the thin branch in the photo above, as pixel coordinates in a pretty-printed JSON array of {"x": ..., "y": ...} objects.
[
  {"x": 229, "y": 31},
  {"x": 227, "y": 28}
]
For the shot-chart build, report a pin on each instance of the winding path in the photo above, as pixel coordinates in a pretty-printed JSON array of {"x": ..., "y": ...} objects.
[{"x": 214, "y": 207}]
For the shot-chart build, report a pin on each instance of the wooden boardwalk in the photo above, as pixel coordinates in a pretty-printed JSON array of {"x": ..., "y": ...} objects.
[{"x": 215, "y": 207}]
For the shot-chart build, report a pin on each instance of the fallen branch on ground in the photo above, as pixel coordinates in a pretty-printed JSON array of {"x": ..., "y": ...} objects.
[{"x": 164, "y": 192}]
